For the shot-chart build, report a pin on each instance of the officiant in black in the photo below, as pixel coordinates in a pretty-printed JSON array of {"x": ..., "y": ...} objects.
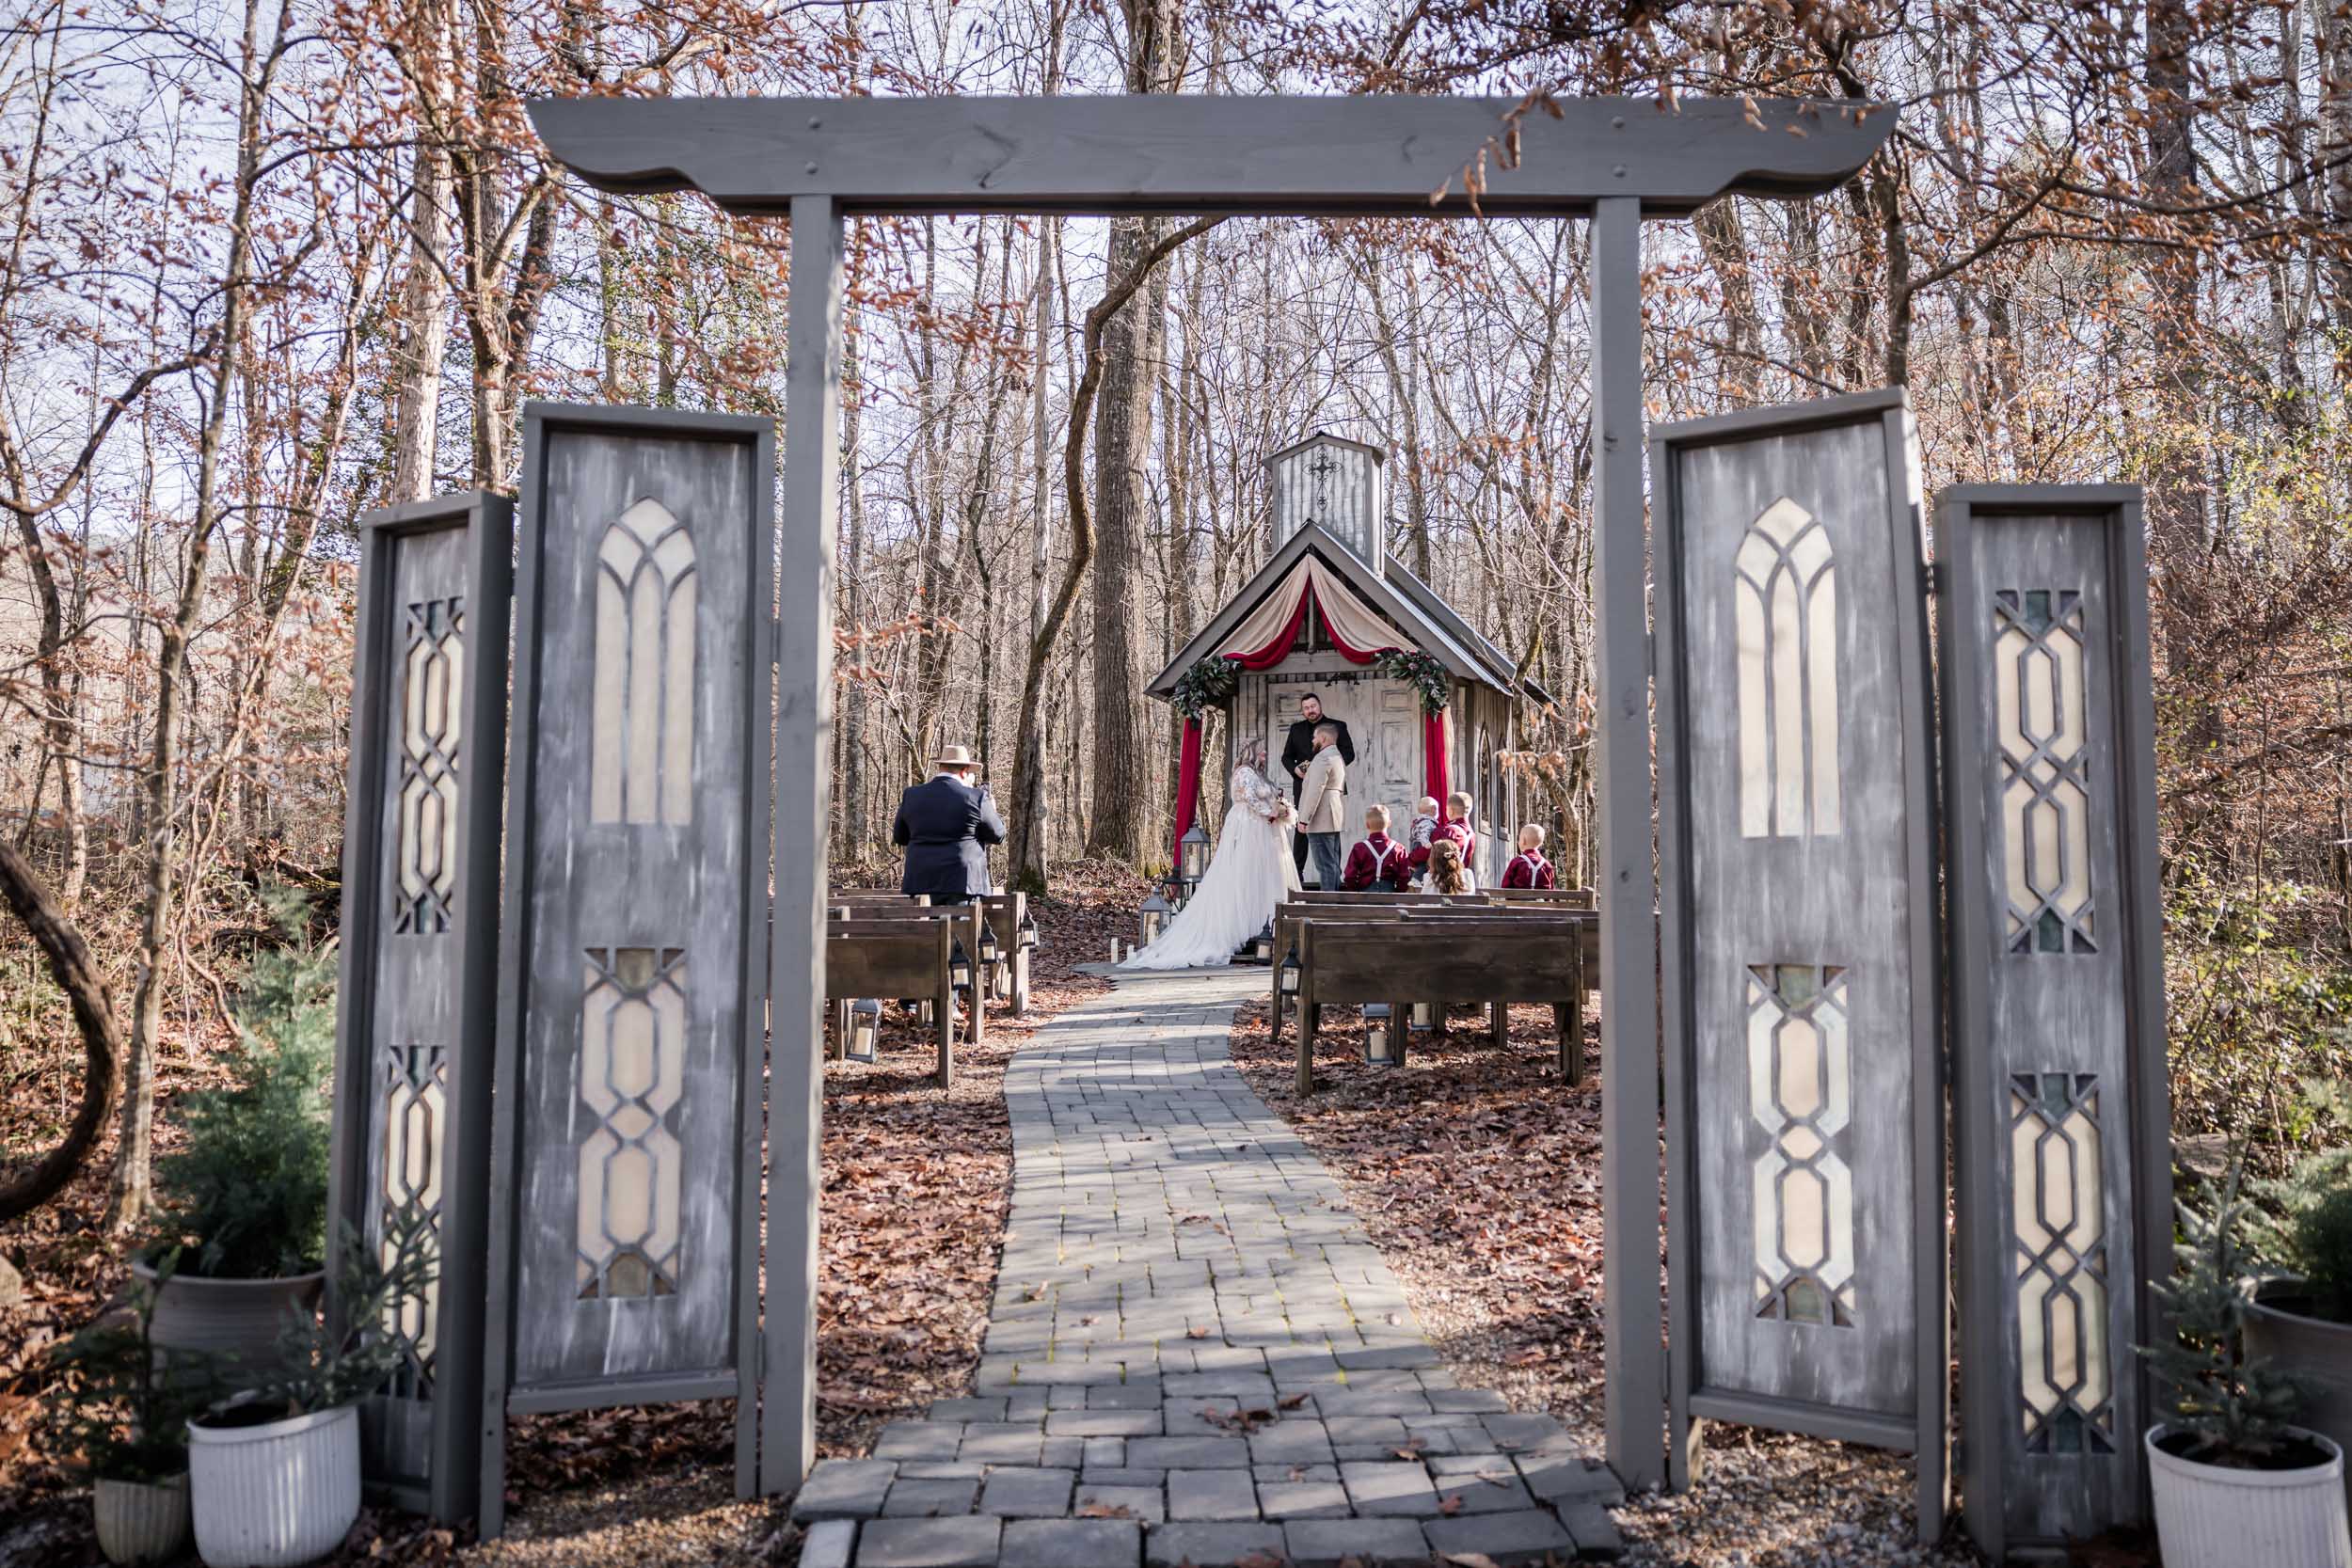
[{"x": 1299, "y": 750}]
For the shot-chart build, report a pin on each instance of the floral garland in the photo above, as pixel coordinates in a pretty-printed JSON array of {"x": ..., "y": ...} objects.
[
  {"x": 1209, "y": 684},
  {"x": 1427, "y": 675}
]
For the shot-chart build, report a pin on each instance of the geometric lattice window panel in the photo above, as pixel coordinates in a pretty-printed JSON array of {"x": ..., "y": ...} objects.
[
  {"x": 633, "y": 1074},
  {"x": 2046, "y": 797},
  {"x": 433, "y": 661},
  {"x": 641, "y": 753},
  {"x": 1799, "y": 1091},
  {"x": 2065, "y": 1385},
  {"x": 415, "y": 1112},
  {"x": 1785, "y": 614}
]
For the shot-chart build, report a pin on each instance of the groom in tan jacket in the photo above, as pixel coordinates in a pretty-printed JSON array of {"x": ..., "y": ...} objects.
[{"x": 1323, "y": 805}]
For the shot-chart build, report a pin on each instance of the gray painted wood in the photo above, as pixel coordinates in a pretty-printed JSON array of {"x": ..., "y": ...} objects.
[
  {"x": 1359, "y": 155},
  {"x": 1861, "y": 901},
  {"x": 2038, "y": 1012},
  {"x": 416, "y": 980},
  {"x": 578, "y": 886},
  {"x": 1629, "y": 936},
  {"x": 804, "y": 809}
]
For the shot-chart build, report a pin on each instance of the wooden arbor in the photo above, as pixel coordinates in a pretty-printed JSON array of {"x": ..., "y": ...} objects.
[{"x": 1614, "y": 162}]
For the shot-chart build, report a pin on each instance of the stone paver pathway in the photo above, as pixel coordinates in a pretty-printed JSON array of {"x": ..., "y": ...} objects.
[{"x": 1195, "y": 1355}]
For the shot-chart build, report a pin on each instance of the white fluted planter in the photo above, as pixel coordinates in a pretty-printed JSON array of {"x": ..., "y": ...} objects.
[
  {"x": 140, "y": 1523},
  {"x": 2212, "y": 1517},
  {"x": 275, "y": 1495}
]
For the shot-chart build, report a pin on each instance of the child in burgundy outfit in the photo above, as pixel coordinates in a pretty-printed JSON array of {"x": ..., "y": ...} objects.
[
  {"x": 1455, "y": 825},
  {"x": 1377, "y": 863},
  {"x": 1417, "y": 836},
  {"x": 1527, "y": 868}
]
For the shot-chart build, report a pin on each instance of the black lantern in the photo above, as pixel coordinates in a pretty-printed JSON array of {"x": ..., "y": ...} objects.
[
  {"x": 1384, "y": 1046},
  {"x": 1262, "y": 945},
  {"x": 1193, "y": 863},
  {"x": 992, "y": 959},
  {"x": 959, "y": 968},
  {"x": 1153, "y": 919},
  {"x": 1289, "y": 974},
  {"x": 1028, "y": 929},
  {"x": 865, "y": 1041},
  {"x": 1424, "y": 1017}
]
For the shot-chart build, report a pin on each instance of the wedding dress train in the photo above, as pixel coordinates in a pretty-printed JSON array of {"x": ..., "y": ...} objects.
[{"x": 1248, "y": 876}]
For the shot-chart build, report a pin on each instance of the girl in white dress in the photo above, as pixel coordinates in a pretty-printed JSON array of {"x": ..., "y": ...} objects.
[{"x": 1248, "y": 876}]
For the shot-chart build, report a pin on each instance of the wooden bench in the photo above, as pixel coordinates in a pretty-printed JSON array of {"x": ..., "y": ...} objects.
[
  {"x": 1377, "y": 906},
  {"x": 962, "y": 921},
  {"x": 887, "y": 958},
  {"x": 1006, "y": 913},
  {"x": 1446, "y": 957}
]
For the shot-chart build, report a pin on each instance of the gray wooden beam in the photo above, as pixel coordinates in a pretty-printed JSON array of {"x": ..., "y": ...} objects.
[
  {"x": 1628, "y": 928},
  {"x": 1193, "y": 153},
  {"x": 804, "y": 809}
]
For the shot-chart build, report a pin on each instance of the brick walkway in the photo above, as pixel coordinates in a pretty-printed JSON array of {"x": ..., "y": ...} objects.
[{"x": 1195, "y": 1355}]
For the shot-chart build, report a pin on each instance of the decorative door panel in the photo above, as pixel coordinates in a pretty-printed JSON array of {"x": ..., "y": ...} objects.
[
  {"x": 2057, "y": 1039},
  {"x": 1392, "y": 776},
  {"x": 637, "y": 883},
  {"x": 419, "y": 959},
  {"x": 1795, "y": 761}
]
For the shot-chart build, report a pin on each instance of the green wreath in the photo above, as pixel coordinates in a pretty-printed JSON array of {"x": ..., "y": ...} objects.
[
  {"x": 1208, "y": 684},
  {"x": 1428, "y": 676}
]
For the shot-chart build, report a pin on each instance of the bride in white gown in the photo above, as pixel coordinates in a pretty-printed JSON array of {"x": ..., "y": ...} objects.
[{"x": 1246, "y": 876}]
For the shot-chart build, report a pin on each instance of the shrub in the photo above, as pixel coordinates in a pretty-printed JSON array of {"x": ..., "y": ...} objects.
[
  {"x": 2232, "y": 1410},
  {"x": 247, "y": 1190}
]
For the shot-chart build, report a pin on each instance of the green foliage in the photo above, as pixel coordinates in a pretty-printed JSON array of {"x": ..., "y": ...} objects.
[
  {"x": 114, "y": 1404},
  {"x": 2233, "y": 1408},
  {"x": 2306, "y": 1230},
  {"x": 1211, "y": 683},
  {"x": 331, "y": 1362},
  {"x": 249, "y": 1188},
  {"x": 1428, "y": 676},
  {"x": 2254, "y": 1004}
]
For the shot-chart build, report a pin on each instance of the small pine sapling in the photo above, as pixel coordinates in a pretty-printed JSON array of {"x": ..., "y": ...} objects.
[{"x": 2232, "y": 1411}]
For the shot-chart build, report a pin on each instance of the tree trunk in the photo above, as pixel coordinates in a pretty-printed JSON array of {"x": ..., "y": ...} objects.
[
  {"x": 425, "y": 333},
  {"x": 70, "y": 964}
]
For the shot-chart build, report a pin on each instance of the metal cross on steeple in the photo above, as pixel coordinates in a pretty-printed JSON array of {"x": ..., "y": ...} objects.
[{"x": 1319, "y": 504}]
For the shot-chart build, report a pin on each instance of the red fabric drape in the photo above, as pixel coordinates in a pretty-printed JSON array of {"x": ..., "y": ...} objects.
[
  {"x": 1188, "y": 790},
  {"x": 1278, "y": 650},
  {"x": 1433, "y": 755}
]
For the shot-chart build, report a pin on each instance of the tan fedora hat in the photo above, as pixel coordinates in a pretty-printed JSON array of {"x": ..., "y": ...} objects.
[{"x": 955, "y": 756}]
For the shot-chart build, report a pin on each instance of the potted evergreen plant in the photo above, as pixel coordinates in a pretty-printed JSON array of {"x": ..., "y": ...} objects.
[
  {"x": 124, "y": 1411},
  {"x": 2300, "y": 1318},
  {"x": 2234, "y": 1482},
  {"x": 273, "y": 1471},
  {"x": 246, "y": 1194}
]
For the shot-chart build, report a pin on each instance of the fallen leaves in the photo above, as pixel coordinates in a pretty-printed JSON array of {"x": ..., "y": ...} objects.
[{"x": 1238, "y": 1419}]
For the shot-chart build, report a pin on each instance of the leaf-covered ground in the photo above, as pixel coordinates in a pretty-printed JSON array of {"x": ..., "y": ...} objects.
[{"x": 916, "y": 1183}]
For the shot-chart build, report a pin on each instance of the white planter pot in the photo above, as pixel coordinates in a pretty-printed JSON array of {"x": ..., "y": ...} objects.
[
  {"x": 242, "y": 1318},
  {"x": 275, "y": 1495},
  {"x": 2212, "y": 1517},
  {"x": 140, "y": 1522}
]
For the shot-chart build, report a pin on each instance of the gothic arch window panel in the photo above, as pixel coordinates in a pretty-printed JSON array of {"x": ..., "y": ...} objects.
[
  {"x": 1799, "y": 1092},
  {"x": 1784, "y": 615},
  {"x": 2045, "y": 788},
  {"x": 642, "y": 755},
  {"x": 2064, "y": 1377},
  {"x": 433, "y": 666},
  {"x": 632, "y": 1075},
  {"x": 414, "y": 1116}
]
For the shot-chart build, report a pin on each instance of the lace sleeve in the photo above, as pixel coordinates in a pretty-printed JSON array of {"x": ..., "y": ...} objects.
[{"x": 1252, "y": 788}]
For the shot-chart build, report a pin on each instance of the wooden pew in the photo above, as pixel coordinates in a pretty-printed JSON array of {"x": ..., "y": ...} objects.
[
  {"x": 963, "y": 920},
  {"x": 1350, "y": 906},
  {"x": 886, "y": 958},
  {"x": 1004, "y": 912},
  {"x": 1447, "y": 957}
]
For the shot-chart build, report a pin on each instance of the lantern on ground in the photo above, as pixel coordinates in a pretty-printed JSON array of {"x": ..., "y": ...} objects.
[
  {"x": 865, "y": 1041},
  {"x": 1193, "y": 863},
  {"x": 1262, "y": 945},
  {"x": 1153, "y": 919},
  {"x": 1384, "y": 1045},
  {"x": 1424, "y": 1017},
  {"x": 959, "y": 968}
]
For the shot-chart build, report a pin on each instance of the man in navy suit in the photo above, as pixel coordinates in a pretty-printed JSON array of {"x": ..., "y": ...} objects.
[{"x": 947, "y": 824}]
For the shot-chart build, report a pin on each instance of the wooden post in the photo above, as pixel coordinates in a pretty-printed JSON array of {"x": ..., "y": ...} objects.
[
  {"x": 804, "y": 807},
  {"x": 1632, "y": 1308}
]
